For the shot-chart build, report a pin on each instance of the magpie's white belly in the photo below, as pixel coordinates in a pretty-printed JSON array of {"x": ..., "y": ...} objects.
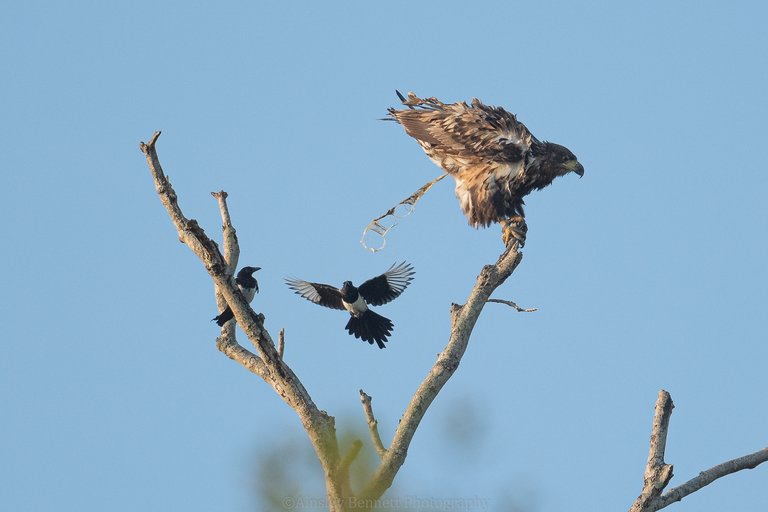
[
  {"x": 248, "y": 293},
  {"x": 356, "y": 308}
]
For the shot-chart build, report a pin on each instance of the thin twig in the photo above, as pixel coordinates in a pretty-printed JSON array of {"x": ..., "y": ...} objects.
[
  {"x": 704, "y": 478},
  {"x": 281, "y": 343},
  {"x": 513, "y": 305},
  {"x": 373, "y": 425}
]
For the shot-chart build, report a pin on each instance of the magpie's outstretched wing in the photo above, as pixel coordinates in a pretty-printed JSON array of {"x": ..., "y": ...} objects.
[
  {"x": 387, "y": 286},
  {"x": 322, "y": 294}
]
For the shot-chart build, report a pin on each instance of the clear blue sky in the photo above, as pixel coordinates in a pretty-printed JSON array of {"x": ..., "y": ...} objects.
[{"x": 648, "y": 273}]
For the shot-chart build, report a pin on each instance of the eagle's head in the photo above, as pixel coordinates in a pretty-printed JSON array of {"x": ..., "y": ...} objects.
[{"x": 557, "y": 160}]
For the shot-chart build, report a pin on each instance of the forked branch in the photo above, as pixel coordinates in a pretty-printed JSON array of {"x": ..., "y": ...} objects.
[
  {"x": 463, "y": 319},
  {"x": 267, "y": 363},
  {"x": 704, "y": 478},
  {"x": 658, "y": 473}
]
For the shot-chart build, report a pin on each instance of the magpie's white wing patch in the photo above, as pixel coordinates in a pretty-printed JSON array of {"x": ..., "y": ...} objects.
[{"x": 322, "y": 294}]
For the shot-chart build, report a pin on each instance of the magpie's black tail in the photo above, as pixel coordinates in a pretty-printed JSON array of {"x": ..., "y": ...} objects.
[
  {"x": 370, "y": 327},
  {"x": 224, "y": 317}
]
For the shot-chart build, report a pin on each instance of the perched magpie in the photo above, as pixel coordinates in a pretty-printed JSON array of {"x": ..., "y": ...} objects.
[
  {"x": 248, "y": 287},
  {"x": 363, "y": 323}
]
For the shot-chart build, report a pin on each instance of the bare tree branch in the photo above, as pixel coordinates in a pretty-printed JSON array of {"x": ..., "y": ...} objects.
[
  {"x": 231, "y": 256},
  {"x": 463, "y": 319},
  {"x": 231, "y": 246},
  {"x": 281, "y": 344},
  {"x": 373, "y": 425},
  {"x": 704, "y": 478},
  {"x": 658, "y": 473},
  {"x": 319, "y": 425},
  {"x": 240, "y": 354},
  {"x": 513, "y": 305}
]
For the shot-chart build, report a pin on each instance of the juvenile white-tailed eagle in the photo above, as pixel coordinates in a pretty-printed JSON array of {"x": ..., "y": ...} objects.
[{"x": 492, "y": 156}]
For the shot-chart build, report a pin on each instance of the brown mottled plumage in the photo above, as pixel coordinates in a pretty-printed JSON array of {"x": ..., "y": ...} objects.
[{"x": 492, "y": 156}]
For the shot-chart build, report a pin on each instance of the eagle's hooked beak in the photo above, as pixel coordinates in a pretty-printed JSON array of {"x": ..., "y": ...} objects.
[{"x": 575, "y": 166}]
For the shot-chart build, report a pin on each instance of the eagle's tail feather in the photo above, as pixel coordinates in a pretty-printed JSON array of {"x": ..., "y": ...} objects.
[{"x": 370, "y": 327}]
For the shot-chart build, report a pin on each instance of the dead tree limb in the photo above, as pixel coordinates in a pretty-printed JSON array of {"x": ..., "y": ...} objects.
[
  {"x": 373, "y": 425},
  {"x": 658, "y": 473},
  {"x": 266, "y": 363},
  {"x": 513, "y": 305},
  {"x": 463, "y": 319},
  {"x": 231, "y": 247},
  {"x": 704, "y": 478},
  {"x": 281, "y": 343}
]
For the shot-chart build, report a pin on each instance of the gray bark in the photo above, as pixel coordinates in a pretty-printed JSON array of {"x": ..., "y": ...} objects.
[{"x": 658, "y": 473}]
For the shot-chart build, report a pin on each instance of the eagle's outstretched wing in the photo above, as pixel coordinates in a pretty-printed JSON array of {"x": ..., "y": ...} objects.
[
  {"x": 388, "y": 286},
  {"x": 322, "y": 294},
  {"x": 457, "y": 135}
]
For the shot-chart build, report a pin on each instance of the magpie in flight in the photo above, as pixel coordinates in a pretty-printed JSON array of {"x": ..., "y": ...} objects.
[
  {"x": 248, "y": 287},
  {"x": 363, "y": 323}
]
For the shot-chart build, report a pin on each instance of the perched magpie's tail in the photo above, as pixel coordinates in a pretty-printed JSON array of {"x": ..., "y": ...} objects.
[
  {"x": 370, "y": 327},
  {"x": 224, "y": 317}
]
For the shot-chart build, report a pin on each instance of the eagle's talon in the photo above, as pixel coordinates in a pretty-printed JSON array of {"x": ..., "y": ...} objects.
[{"x": 514, "y": 229}]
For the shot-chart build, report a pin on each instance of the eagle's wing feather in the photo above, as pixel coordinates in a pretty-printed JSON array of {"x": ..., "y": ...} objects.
[
  {"x": 389, "y": 285},
  {"x": 416, "y": 125},
  {"x": 477, "y": 131},
  {"x": 483, "y": 147},
  {"x": 322, "y": 294}
]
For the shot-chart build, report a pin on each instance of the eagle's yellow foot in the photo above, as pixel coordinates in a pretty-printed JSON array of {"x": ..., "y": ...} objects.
[{"x": 514, "y": 229}]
